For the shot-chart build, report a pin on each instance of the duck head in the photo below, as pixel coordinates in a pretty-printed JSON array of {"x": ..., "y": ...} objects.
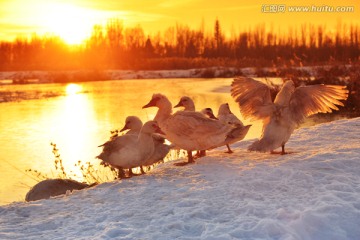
[
  {"x": 284, "y": 95},
  {"x": 209, "y": 113},
  {"x": 158, "y": 100},
  {"x": 289, "y": 86},
  {"x": 224, "y": 109},
  {"x": 151, "y": 127},
  {"x": 132, "y": 122},
  {"x": 187, "y": 103}
]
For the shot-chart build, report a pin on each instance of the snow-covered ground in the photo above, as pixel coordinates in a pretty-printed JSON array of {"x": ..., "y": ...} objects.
[{"x": 313, "y": 193}]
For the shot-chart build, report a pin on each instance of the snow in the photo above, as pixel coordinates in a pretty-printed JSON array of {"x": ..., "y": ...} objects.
[
  {"x": 7, "y": 77},
  {"x": 312, "y": 193}
]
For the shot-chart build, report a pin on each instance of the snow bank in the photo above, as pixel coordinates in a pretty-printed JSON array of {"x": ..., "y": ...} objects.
[
  {"x": 313, "y": 193},
  {"x": 8, "y": 77}
]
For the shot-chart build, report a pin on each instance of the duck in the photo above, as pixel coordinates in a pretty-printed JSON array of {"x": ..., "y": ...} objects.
[
  {"x": 227, "y": 117},
  {"x": 209, "y": 113},
  {"x": 289, "y": 108},
  {"x": 187, "y": 103},
  {"x": 131, "y": 150},
  {"x": 134, "y": 124},
  {"x": 190, "y": 130},
  {"x": 54, "y": 187}
]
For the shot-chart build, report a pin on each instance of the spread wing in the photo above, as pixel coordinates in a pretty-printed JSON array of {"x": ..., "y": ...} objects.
[
  {"x": 309, "y": 100},
  {"x": 253, "y": 97}
]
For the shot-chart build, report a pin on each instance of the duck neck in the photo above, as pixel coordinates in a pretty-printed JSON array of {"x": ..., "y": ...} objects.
[
  {"x": 190, "y": 107},
  {"x": 145, "y": 142},
  {"x": 163, "y": 113},
  {"x": 283, "y": 97}
]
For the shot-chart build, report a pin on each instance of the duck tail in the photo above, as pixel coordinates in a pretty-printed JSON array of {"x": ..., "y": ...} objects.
[
  {"x": 237, "y": 134},
  {"x": 102, "y": 156}
]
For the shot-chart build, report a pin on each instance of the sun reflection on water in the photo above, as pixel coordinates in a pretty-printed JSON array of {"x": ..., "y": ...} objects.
[
  {"x": 73, "y": 124},
  {"x": 73, "y": 88}
]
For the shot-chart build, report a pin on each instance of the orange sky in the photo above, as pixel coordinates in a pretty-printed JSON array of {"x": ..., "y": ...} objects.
[{"x": 73, "y": 19}]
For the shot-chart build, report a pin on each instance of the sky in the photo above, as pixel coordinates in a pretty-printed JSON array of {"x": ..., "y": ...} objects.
[{"x": 73, "y": 19}]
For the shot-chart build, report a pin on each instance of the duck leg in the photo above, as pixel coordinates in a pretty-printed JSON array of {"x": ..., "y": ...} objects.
[
  {"x": 200, "y": 153},
  {"x": 283, "y": 149},
  {"x": 190, "y": 157},
  {"x": 229, "y": 149},
  {"x": 190, "y": 160},
  {"x": 130, "y": 173},
  {"x": 121, "y": 173}
]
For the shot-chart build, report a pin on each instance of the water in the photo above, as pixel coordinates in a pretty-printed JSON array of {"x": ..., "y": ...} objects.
[{"x": 78, "y": 118}]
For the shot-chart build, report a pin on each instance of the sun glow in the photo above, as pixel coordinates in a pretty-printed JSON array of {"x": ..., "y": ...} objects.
[
  {"x": 73, "y": 24},
  {"x": 73, "y": 89}
]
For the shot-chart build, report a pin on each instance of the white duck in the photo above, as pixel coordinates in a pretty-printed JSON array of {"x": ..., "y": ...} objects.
[
  {"x": 129, "y": 151},
  {"x": 187, "y": 103},
  {"x": 134, "y": 125},
  {"x": 289, "y": 108},
  {"x": 190, "y": 130},
  {"x": 227, "y": 117},
  {"x": 209, "y": 113}
]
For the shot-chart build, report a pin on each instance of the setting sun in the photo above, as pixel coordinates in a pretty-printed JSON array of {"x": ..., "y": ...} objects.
[{"x": 71, "y": 23}]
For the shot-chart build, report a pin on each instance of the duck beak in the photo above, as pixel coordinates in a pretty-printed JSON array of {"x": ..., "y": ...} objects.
[
  {"x": 212, "y": 116},
  {"x": 180, "y": 104},
  {"x": 124, "y": 128},
  {"x": 158, "y": 130},
  {"x": 152, "y": 103}
]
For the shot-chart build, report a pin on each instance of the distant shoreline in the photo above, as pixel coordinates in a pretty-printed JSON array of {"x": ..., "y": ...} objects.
[
  {"x": 28, "y": 77},
  {"x": 74, "y": 76}
]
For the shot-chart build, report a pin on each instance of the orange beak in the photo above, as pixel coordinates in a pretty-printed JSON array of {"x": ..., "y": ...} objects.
[
  {"x": 158, "y": 130},
  {"x": 124, "y": 128},
  {"x": 180, "y": 104},
  {"x": 152, "y": 103}
]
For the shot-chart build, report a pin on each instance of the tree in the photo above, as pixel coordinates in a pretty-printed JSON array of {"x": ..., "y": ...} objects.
[{"x": 218, "y": 36}]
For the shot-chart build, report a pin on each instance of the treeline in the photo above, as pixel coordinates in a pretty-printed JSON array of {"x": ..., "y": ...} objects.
[{"x": 114, "y": 46}]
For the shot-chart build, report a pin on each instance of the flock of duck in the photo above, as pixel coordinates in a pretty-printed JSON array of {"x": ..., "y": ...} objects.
[{"x": 190, "y": 130}]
